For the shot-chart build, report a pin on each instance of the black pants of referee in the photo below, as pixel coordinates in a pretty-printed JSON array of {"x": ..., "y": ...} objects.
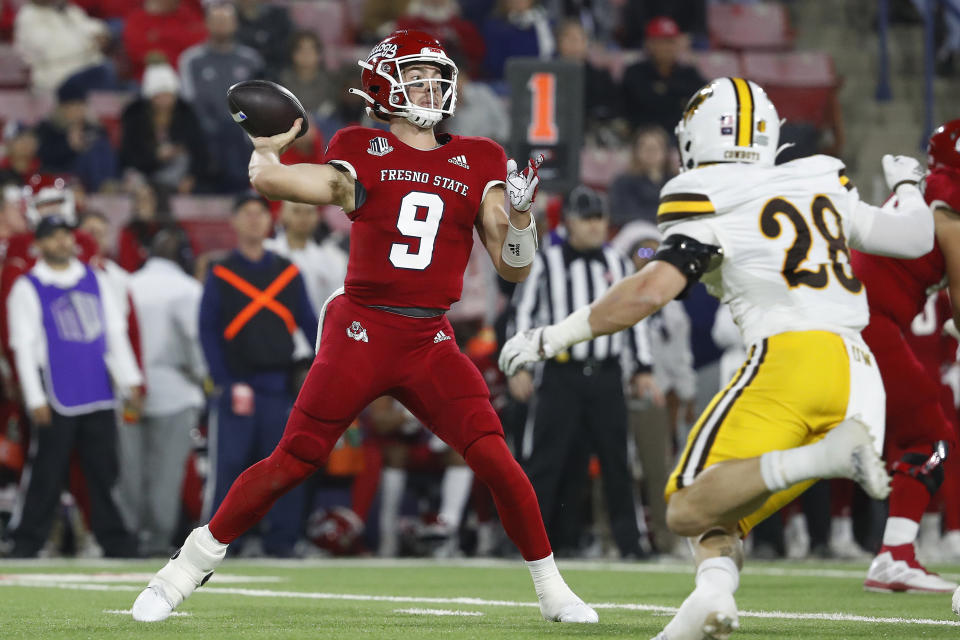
[
  {"x": 580, "y": 410},
  {"x": 94, "y": 435}
]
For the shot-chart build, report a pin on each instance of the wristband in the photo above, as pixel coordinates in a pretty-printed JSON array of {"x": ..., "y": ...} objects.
[{"x": 520, "y": 245}]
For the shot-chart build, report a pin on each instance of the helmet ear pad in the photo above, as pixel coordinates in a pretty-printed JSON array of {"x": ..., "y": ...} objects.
[{"x": 728, "y": 120}]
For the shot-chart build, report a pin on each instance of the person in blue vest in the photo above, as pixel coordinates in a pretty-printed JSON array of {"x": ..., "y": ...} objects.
[
  {"x": 74, "y": 362},
  {"x": 257, "y": 329}
]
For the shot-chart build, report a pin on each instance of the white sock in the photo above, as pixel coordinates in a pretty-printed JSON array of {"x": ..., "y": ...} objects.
[
  {"x": 545, "y": 575},
  {"x": 900, "y": 531},
  {"x": 719, "y": 573},
  {"x": 455, "y": 491},
  {"x": 392, "y": 483},
  {"x": 206, "y": 539},
  {"x": 785, "y": 468}
]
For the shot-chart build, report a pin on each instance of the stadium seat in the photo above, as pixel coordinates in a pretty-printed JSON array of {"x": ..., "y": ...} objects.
[
  {"x": 201, "y": 207},
  {"x": 14, "y": 72},
  {"x": 599, "y": 166},
  {"x": 803, "y": 85},
  {"x": 717, "y": 64},
  {"x": 764, "y": 25},
  {"x": 22, "y": 106},
  {"x": 107, "y": 107},
  {"x": 209, "y": 234},
  {"x": 327, "y": 18}
]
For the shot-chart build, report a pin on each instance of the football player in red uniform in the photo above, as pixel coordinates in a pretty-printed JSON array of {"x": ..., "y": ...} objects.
[
  {"x": 919, "y": 433},
  {"x": 415, "y": 198}
]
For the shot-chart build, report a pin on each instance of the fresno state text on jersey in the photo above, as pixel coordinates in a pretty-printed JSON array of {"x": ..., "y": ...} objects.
[{"x": 413, "y": 226}]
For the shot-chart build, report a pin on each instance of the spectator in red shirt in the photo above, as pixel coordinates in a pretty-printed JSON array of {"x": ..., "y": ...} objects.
[{"x": 167, "y": 26}]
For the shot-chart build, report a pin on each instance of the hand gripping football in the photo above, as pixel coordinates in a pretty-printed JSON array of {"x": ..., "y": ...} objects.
[{"x": 264, "y": 108}]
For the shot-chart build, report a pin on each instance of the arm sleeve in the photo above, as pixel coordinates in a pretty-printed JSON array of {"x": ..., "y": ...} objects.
[
  {"x": 495, "y": 168},
  {"x": 187, "y": 316},
  {"x": 686, "y": 376},
  {"x": 526, "y": 299},
  {"x": 639, "y": 341},
  {"x": 210, "y": 333},
  {"x": 905, "y": 231},
  {"x": 119, "y": 357},
  {"x": 25, "y": 319}
]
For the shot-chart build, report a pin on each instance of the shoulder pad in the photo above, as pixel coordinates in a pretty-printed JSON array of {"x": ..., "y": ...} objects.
[
  {"x": 683, "y": 198},
  {"x": 942, "y": 187}
]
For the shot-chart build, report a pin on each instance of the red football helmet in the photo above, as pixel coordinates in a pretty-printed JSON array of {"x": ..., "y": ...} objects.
[
  {"x": 385, "y": 89},
  {"x": 45, "y": 194},
  {"x": 944, "y": 147}
]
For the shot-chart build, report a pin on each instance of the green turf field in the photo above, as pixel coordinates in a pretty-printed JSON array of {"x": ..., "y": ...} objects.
[{"x": 300, "y": 600}]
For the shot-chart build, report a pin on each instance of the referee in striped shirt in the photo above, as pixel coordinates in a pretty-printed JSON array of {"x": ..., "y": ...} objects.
[{"x": 579, "y": 406}]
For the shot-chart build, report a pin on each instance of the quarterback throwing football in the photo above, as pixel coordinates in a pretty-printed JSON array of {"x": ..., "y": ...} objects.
[
  {"x": 772, "y": 243},
  {"x": 415, "y": 198}
]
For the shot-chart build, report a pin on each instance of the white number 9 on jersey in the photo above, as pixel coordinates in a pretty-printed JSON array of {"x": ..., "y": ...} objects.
[{"x": 410, "y": 226}]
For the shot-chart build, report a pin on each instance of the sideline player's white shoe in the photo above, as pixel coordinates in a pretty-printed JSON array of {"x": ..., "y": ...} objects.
[
  {"x": 706, "y": 614},
  {"x": 188, "y": 569},
  {"x": 560, "y": 604},
  {"x": 896, "y": 569},
  {"x": 851, "y": 447}
]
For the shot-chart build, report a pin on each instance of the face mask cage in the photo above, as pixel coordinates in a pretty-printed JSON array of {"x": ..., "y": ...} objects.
[{"x": 441, "y": 91}]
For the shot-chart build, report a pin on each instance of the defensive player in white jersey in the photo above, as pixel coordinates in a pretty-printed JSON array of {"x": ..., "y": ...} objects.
[{"x": 772, "y": 242}]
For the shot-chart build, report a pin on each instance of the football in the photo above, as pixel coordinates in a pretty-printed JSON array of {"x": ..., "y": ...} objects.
[{"x": 264, "y": 108}]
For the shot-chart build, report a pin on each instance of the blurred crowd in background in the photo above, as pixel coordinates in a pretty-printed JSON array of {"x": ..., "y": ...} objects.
[{"x": 114, "y": 119}]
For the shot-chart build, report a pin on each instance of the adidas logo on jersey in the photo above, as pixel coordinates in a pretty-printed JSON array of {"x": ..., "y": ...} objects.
[
  {"x": 460, "y": 161},
  {"x": 441, "y": 336}
]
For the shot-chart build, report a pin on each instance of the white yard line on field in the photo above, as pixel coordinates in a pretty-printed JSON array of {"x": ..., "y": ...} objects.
[
  {"x": 669, "y": 566},
  {"x": 127, "y": 612},
  {"x": 438, "y": 612},
  {"x": 481, "y": 602}
]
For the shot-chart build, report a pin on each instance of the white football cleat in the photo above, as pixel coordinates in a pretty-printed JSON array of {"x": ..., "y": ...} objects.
[
  {"x": 563, "y": 605},
  {"x": 189, "y": 568},
  {"x": 152, "y": 605},
  {"x": 956, "y": 601},
  {"x": 895, "y": 569},
  {"x": 706, "y": 614},
  {"x": 852, "y": 447}
]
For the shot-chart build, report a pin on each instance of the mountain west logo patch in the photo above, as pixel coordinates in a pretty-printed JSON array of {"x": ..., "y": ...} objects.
[
  {"x": 379, "y": 147},
  {"x": 357, "y": 332},
  {"x": 460, "y": 161}
]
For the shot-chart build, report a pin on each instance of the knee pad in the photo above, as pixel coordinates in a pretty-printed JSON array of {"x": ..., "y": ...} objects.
[{"x": 927, "y": 468}]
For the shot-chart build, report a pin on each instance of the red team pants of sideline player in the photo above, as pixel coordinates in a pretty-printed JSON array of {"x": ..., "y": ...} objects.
[
  {"x": 915, "y": 412},
  {"x": 365, "y": 353}
]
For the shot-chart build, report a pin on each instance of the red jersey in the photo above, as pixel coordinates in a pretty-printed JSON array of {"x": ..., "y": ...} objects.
[
  {"x": 412, "y": 230},
  {"x": 933, "y": 348},
  {"x": 899, "y": 288}
]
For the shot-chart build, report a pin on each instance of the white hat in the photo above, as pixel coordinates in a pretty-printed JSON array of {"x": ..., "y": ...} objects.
[
  {"x": 160, "y": 78},
  {"x": 632, "y": 234}
]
